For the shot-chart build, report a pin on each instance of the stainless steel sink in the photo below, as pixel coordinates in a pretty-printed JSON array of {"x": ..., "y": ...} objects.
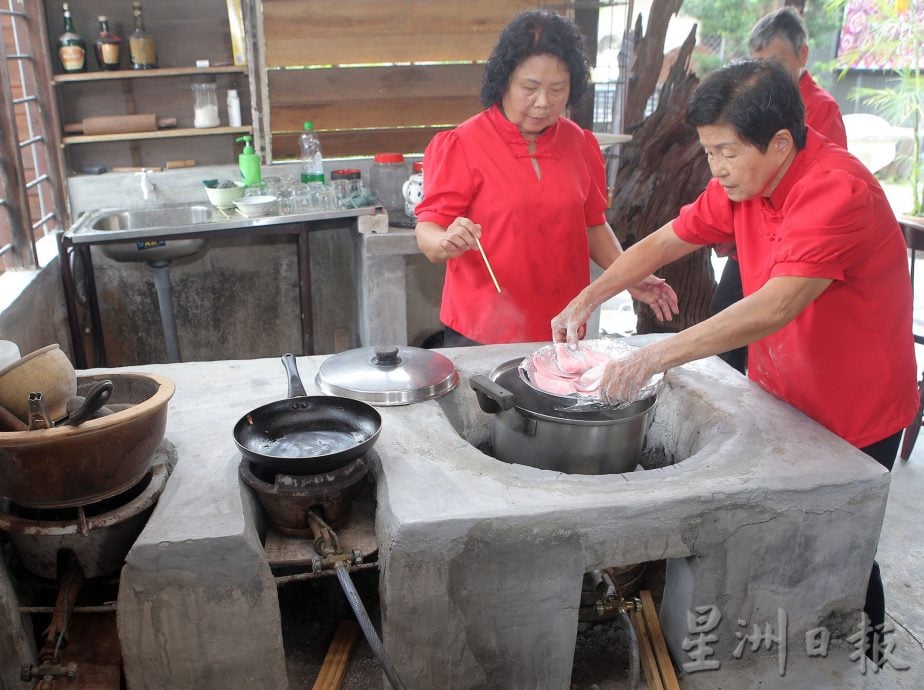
[{"x": 149, "y": 250}]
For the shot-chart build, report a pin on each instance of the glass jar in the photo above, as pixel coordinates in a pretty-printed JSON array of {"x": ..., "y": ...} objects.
[
  {"x": 206, "y": 104},
  {"x": 386, "y": 178}
]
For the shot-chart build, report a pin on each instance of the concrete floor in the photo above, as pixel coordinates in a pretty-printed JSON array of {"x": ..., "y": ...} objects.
[{"x": 901, "y": 558}]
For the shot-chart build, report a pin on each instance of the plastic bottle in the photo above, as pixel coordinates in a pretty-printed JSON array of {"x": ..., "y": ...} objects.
[
  {"x": 386, "y": 177},
  {"x": 234, "y": 109},
  {"x": 312, "y": 159},
  {"x": 249, "y": 162}
]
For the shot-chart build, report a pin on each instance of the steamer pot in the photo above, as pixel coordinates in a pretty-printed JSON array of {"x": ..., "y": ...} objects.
[{"x": 530, "y": 428}]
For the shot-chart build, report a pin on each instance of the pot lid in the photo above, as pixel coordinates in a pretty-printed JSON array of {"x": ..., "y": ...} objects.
[{"x": 387, "y": 375}]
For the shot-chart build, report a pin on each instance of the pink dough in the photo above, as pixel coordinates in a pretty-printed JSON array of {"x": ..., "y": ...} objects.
[
  {"x": 551, "y": 383},
  {"x": 569, "y": 372}
]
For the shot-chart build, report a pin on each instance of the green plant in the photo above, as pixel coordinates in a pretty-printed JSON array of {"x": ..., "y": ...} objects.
[{"x": 892, "y": 42}]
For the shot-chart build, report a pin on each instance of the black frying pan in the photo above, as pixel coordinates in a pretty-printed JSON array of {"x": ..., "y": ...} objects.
[{"x": 306, "y": 434}]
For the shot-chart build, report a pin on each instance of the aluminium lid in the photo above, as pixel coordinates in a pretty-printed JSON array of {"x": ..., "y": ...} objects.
[{"x": 387, "y": 375}]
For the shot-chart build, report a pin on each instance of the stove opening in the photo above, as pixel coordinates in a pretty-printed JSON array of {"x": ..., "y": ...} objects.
[
  {"x": 674, "y": 431},
  {"x": 607, "y": 652}
]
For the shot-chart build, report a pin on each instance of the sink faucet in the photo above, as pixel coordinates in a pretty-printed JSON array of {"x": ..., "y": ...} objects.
[{"x": 148, "y": 188}]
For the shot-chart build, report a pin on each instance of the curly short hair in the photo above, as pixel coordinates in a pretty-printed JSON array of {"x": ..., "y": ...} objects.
[{"x": 536, "y": 32}]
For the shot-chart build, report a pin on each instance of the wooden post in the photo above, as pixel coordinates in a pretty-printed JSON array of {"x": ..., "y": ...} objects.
[{"x": 338, "y": 656}]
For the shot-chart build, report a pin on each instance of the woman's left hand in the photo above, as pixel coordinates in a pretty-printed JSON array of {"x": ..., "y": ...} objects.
[{"x": 657, "y": 294}]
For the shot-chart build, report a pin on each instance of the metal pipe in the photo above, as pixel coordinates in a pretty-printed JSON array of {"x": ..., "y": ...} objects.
[
  {"x": 103, "y": 608},
  {"x": 311, "y": 575},
  {"x": 343, "y": 575},
  {"x": 162, "y": 283}
]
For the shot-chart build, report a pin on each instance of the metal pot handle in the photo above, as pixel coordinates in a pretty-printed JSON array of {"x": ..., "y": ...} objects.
[
  {"x": 296, "y": 389},
  {"x": 492, "y": 397}
]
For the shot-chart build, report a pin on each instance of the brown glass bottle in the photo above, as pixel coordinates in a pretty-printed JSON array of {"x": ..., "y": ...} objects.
[
  {"x": 107, "y": 47},
  {"x": 141, "y": 44},
  {"x": 72, "y": 49}
]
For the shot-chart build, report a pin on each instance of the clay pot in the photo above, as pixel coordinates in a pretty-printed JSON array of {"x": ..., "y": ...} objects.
[
  {"x": 70, "y": 466},
  {"x": 48, "y": 371}
]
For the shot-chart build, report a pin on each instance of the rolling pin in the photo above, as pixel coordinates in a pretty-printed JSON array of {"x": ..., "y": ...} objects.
[{"x": 120, "y": 124}]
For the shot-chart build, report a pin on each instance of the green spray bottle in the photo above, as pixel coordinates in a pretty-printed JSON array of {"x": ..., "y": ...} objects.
[{"x": 249, "y": 162}]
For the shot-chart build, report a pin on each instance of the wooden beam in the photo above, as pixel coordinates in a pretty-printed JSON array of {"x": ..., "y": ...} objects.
[
  {"x": 374, "y": 114},
  {"x": 645, "y": 652},
  {"x": 359, "y": 142},
  {"x": 335, "y": 663},
  {"x": 658, "y": 645},
  {"x": 331, "y": 85},
  {"x": 333, "y": 32}
]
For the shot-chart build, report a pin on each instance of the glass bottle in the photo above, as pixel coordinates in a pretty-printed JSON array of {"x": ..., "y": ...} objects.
[
  {"x": 107, "y": 47},
  {"x": 206, "y": 103},
  {"x": 141, "y": 44},
  {"x": 72, "y": 49}
]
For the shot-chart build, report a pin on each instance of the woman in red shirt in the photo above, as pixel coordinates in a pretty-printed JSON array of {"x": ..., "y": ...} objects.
[{"x": 528, "y": 184}]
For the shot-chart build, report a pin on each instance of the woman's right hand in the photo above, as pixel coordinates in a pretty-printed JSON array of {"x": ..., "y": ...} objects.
[
  {"x": 571, "y": 324},
  {"x": 461, "y": 235}
]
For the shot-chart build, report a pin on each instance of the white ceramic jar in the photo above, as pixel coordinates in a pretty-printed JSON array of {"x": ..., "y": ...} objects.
[{"x": 413, "y": 193}]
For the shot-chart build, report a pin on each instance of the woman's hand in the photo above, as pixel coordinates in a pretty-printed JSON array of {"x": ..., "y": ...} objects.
[
  {"x": 623, "y": 378},
  {"x": 571, "y": 324},
  {"x": 657, "y": 294},
  {"x": 461, "y": 235}
]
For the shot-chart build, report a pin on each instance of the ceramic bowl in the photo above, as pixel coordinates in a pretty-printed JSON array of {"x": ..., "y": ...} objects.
[
  {"x": 48, "y": 371},
  {"x": 252, "y": 206},
  {"x": 225, "y": 198}
]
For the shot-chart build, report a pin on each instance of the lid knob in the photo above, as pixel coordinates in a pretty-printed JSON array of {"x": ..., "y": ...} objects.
[{"x": 386, "y": 356}]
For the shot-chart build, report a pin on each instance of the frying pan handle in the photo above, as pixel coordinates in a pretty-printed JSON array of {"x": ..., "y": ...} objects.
[
  {"x": 296, "y": 389},
  {"x": 96, "y": 397}
]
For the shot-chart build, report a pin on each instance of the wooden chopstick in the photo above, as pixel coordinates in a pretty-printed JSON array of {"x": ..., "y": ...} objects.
[{"x": 487, "y": 263}]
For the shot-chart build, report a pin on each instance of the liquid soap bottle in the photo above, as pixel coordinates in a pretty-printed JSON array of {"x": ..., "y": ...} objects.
[{"x": 249, "y": 163}]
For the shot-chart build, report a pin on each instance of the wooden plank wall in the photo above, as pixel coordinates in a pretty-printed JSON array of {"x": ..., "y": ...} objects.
[{"x": 333, "y": 62}]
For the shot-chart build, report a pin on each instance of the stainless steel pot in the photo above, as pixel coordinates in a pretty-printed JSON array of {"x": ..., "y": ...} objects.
[{"x": 531, "y": 428}]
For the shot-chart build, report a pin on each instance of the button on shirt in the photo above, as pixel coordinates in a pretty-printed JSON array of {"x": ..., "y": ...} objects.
[
  {"x": 534, "y": 230},
  {"x": 847, "y": 361}
]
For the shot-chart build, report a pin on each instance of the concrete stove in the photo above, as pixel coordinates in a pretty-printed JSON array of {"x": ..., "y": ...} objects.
[{"x": 756, "y": 508}]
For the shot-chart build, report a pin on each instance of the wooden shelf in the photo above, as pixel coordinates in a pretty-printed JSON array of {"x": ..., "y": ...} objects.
[
  {"x": 159, "y": 134},
  {"x": 147, "y": 73}
]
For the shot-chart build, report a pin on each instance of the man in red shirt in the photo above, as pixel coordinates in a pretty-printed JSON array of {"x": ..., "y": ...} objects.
[
  {"x": 781, "y": 36},
  {"x": 827, "y": 306}
]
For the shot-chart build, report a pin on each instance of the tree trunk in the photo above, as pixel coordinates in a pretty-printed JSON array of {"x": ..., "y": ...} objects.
[{"x": 662, "y": 169}]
